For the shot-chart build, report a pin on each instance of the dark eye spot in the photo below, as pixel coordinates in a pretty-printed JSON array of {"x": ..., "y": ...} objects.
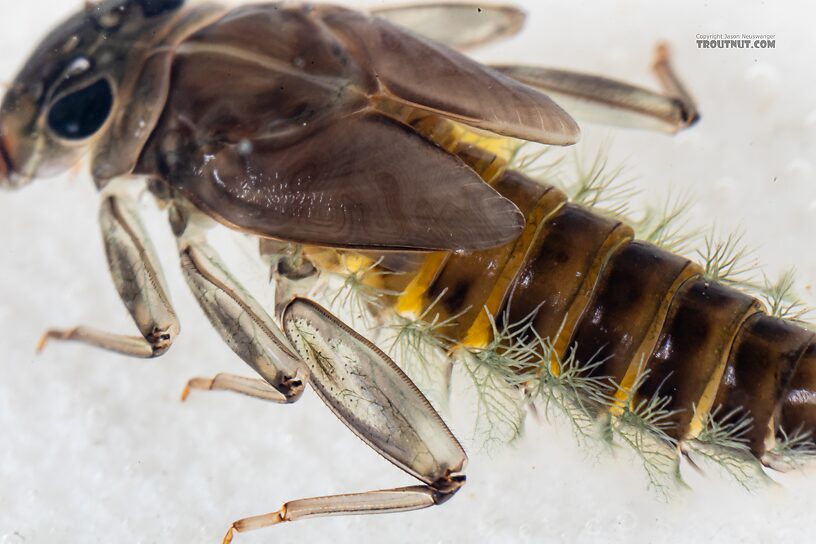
[
  {"x": 154, "y": 8},
  {"x": 80, "y": 114}
]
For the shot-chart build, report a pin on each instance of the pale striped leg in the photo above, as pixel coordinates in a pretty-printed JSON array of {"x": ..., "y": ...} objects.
[
  {"x": 251, "y": 387},
  {"x": 597, "y": 99},
  {"x": 385, "y": 501},
  {"x": 139, "y": 280},
  {"x": 240, "y": 320}
]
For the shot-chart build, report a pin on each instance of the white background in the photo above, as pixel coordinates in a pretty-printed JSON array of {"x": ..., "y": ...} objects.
[{"x": 97, "y": 448}]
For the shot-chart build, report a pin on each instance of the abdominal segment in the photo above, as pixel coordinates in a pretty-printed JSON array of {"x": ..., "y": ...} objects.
[{"x": 640, "y": 319}]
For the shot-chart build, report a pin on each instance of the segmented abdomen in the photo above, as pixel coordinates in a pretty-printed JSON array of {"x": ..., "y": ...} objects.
[{"x": 626, "y": 309}]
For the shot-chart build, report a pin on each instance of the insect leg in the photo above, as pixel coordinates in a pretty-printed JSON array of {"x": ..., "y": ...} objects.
[
  {"x": 251, "y": 387},
  {"x": 372, "y": 502},
  {"x": 671, "y": 83},
  {"x": 139, "y": 281},
  {"x": 241, "y": 321},
  {"x": 368, "y": 392},
  {"x": 292, "y": 272},
  {"x": 606, "y": 101},
  {"x": 461, "y": 26}
]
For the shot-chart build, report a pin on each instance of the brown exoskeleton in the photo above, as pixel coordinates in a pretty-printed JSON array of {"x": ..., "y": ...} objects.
[{"x": 298, "y": 124}]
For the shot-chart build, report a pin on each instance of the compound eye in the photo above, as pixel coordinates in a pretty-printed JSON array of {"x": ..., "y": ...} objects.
[{"x": 80, "y": 114}]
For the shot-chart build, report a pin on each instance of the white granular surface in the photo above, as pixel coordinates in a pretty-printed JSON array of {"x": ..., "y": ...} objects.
[{"x": 97, "y": 448}]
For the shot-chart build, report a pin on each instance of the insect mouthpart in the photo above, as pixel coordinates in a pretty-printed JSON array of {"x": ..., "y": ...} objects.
[
  {"x": 10, "y": 177},
  {"x": 5, "y": 163}
]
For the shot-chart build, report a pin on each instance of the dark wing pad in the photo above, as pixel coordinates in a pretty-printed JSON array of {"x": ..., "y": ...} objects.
[
  {"x": 364, "y": 181},
  {"x": 417, "y": 71},
  {"x": 271, "y": 127}
]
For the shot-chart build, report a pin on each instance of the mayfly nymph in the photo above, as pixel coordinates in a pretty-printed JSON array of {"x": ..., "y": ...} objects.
[{"x": 368, "y": 145}]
